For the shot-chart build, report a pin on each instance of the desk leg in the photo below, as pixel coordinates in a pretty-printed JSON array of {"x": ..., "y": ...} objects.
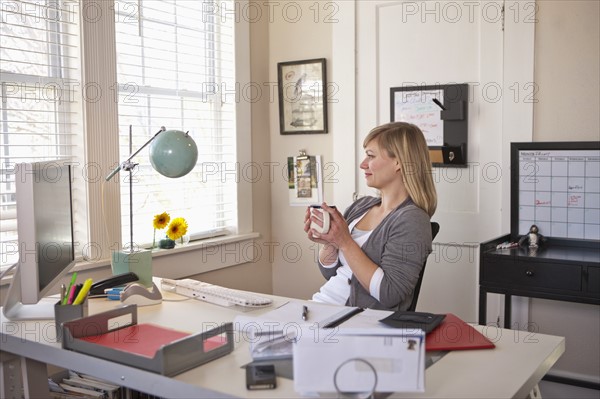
[
  {"x": 507, "y": 310},
  {"x": 21, "y": 377},
  {"x": 482, "y": 306}
]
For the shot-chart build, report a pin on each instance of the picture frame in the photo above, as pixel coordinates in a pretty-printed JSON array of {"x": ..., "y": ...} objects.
[
  {"x": 302, "y": 96},
  {"x": 305, "y": 180}
]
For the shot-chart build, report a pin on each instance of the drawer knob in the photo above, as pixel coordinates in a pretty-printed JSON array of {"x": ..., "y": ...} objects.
[{"x": 529, "y": 273}]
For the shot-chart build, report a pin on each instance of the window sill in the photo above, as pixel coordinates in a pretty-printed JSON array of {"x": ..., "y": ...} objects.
[
  {"x": 193, "y": 258},
  {"x": 204, "y": 244}
]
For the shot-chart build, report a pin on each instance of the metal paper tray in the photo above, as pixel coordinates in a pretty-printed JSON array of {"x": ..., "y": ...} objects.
[{"x": 170, "y": 359}]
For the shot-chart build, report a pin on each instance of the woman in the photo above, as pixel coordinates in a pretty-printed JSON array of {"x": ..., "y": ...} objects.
[{"x": 373, "y": 254}]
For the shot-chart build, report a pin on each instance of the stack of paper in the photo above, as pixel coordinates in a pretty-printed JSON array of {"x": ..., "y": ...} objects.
[
  {"x": 272, "y": 334},
  {"x": 80, "y": 385}
]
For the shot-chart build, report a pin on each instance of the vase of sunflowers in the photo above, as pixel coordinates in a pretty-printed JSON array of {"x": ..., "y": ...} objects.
[{"x": 176, "y": 233}]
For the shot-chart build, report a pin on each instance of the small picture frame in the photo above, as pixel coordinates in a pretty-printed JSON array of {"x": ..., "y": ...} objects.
[
  {"x": 302, "y": 96},
  {"x": 305, "y": 181}
]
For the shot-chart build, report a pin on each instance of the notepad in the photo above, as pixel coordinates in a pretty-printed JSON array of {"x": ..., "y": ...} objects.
[{"x": 319, "y": 315}]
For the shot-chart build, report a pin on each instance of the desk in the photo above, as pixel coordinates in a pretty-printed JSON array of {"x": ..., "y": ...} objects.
[
  {"x": 558, "y": 272},
  {"x": 512, "y": 369}
]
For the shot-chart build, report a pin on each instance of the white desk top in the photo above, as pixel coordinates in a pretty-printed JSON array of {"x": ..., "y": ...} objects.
[{"x": 512, "y": 369}]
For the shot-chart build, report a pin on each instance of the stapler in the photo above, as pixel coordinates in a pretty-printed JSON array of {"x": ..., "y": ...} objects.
[{"x": 98, "y": 287}]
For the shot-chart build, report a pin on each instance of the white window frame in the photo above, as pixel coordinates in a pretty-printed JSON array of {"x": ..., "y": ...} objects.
[
  {"x": 102, "y": 154},
  {"x": 196, "y": 257}
]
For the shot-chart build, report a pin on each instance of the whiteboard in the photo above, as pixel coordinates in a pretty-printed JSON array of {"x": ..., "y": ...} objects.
[
  {"x": 417, "y": 107},
  {"x": 559, "y": 191}
]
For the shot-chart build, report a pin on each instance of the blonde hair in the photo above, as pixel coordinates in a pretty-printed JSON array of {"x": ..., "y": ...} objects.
[{"x": 406, "y": 143}]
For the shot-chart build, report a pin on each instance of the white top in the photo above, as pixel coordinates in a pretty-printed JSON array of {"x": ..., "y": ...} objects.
[{"x": 337, "y": 289}]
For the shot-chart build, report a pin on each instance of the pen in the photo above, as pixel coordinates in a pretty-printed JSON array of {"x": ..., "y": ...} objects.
[
  {"x": 83, "y": 292},
  {"x": 506, "y": 245},
  {"x": 439, "y": 104},
  {"x": 63, "y": 293},
  {"x": 304, "y": 312},
  {"x": 71, "y": 295},
  {"x": 68, "y": 292}
]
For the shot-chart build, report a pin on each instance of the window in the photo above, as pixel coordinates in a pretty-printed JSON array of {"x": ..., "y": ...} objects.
[
  {"x": 173, "y": 59},
  {"x": 172, "y": 63},
  {"x": 40, "y": 111}
]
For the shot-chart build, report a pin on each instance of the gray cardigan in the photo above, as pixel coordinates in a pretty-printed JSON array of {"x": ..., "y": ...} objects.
[{"x": 399, "y": 245}]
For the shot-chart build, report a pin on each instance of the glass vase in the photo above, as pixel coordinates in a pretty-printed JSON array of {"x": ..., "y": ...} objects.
[{"x": 184, "y": 240}]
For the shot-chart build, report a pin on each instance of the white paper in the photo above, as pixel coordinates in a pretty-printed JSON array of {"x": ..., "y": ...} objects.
[
  {"x": 398, "y": 357},
  {"x": 272, "y": 334}
]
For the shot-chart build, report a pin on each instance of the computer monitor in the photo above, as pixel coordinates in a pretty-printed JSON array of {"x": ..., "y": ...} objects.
[{"x": 45, "y": 237}]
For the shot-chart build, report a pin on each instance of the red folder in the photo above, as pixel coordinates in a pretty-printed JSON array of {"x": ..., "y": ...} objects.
[
  {"x": 455, "y": 334},
  {"x": 145, "y": 339}
]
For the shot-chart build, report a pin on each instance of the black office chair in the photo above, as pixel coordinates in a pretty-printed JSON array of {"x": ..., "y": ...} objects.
[{"x": 435, "y": 228}]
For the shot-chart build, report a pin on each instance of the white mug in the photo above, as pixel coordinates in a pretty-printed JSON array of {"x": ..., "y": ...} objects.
[{"x": 317, "y": 211}]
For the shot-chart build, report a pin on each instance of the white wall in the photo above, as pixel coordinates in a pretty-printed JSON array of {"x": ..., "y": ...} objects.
[
  {"x": 567, "y": 75},
  {"x": 299, "y": 30},
  {"x": 402, "y": 43}
]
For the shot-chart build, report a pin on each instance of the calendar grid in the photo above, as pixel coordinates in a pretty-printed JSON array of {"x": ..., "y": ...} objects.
[{"x": 559, "y": 191}]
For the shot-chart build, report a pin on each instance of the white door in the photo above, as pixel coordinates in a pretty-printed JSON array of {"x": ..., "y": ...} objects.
[{"x": 489, "y": 45}]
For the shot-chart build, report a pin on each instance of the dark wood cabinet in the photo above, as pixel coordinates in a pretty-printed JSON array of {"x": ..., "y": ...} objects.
[{"x": 564, "y": 271}]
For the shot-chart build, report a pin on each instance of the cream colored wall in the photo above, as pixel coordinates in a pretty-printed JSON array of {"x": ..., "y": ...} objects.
[
  {"x": 295, "y": 36},
  {"x": 257, "y": 275},
  {"x": 567, "y": 73}
]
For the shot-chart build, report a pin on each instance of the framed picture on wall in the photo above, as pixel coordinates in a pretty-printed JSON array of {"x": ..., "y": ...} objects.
[{"x": 302, "y": 96}]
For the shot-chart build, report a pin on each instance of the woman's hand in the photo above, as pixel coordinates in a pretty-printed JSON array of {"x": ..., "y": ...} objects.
[
  {"x": 329, "y": 252},
  {"x": 338, "y": 234},
  {"x": 313, "y": 235}
]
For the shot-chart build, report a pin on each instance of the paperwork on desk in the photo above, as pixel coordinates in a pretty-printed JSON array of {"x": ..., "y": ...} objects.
[
  {"x": 359, "y": 360},
  {"x": 272, "y": 334},
  {"x": 357, "y": 350}
]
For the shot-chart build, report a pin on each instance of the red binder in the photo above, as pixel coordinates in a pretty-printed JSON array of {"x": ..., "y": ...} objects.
[{"x": 455, "y": 334}]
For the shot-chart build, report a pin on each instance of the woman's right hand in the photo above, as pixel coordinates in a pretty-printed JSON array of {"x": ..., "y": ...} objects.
[{"x": 312, "y": 234}]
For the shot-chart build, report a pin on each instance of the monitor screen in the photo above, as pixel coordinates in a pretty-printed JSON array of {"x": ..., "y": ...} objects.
[{"x": 45, "y": 237}]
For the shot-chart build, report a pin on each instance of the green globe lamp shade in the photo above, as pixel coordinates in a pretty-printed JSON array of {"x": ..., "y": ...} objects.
[{"x": 173, "y": 153}]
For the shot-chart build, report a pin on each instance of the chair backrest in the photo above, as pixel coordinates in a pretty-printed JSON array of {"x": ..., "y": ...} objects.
[{"x": 435, "y": 228}]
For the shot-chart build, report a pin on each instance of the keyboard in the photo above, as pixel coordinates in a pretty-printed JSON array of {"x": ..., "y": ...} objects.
[{"x": 214, "y": 293}]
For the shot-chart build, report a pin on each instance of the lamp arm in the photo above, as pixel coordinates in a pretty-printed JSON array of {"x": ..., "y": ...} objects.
[{"x": 118, "y": 168}]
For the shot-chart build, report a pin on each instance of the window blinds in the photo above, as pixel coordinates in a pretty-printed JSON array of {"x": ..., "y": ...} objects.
[
  {"x": 40, "y": 110},
  {"x": 175, "y": 66}
]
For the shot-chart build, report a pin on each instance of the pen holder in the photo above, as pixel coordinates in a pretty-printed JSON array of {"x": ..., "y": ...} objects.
[{"x": 64, "y": 313}]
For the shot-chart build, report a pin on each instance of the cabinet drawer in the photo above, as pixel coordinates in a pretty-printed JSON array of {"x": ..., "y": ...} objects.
[
  {"x": 533, "y": 274},
  {"x": 593, "y": 284}
]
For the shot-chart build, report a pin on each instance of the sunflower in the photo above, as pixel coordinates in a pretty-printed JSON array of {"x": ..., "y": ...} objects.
[
  {"x": 177, "y": 228},
  {"x": 161, "y": 221}
]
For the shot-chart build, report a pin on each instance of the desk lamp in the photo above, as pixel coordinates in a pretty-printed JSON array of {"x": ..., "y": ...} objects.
[{"x": 173, "y": 154}]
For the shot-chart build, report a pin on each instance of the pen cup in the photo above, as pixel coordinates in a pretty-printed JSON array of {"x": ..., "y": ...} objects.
[{"x": 64, "y": 313}]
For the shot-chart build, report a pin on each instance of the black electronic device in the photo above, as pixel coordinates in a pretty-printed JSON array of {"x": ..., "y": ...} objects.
[
  {"x": 98, "y": 287},
  {"x": 261, "y": 376},
  {"x": 411, "y": 320}
]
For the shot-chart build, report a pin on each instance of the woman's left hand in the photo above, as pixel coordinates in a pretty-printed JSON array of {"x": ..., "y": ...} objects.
[{"x": 338, "y": 233}]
